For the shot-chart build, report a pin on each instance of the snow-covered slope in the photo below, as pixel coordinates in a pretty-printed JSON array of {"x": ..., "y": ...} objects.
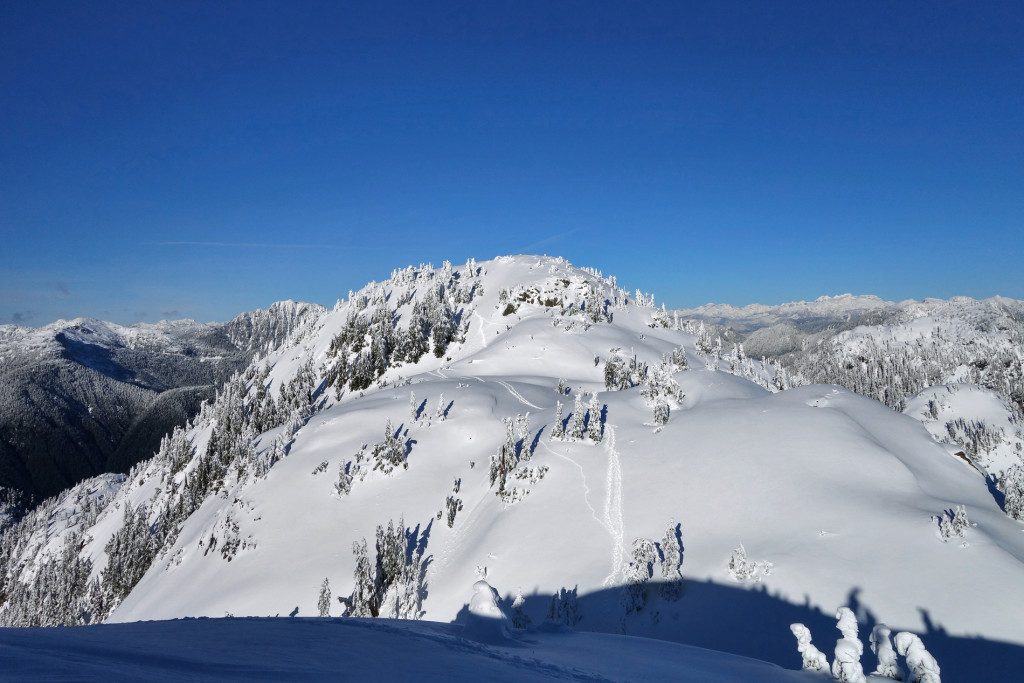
[
  {"x": 356, "y": 650},
  {"x": 777, "y": 507}
]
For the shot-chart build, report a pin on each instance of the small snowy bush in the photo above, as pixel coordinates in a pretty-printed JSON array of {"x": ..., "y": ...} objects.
[
  {"x": 953, "y": 523},
  {"x": 743, "y": 569}
]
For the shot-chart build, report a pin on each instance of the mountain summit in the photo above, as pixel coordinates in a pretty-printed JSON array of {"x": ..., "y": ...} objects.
[{"x": 601, "y": 463}]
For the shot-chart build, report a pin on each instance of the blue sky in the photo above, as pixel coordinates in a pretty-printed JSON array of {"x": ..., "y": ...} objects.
[{"x": 191, "y": 160}]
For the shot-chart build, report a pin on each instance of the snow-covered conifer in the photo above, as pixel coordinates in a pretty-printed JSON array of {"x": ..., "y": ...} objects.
[
  {"x": 557, "y": 429},
  {"x": 671, "y": 563},
  {"x": 564, "y": 608},
  {"x": 645, "y": 555},
  {"x": 1012, "y": 486},
  {"x": 923, "y": 667},
  {"x": 363, "y": 602},
  {"x": 323, "y": 604},
  {"x": 594, "y": 431},
  {"x": 882, "y": 647},
  {"x": 846, "y": 666},
  {"x": 813, "y": 658},
  {"x": 578, "y": 419},
  {"x": 661, "y": 412},
  {"x": 520, "y": 619},
  {"x": 703, "y": 343}
]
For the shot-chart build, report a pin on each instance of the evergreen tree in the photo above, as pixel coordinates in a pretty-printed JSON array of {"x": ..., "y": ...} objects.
[
  {"x": 578, "y": 419},
  {"x": 520, "y": 619},
  {"x": 1012, "y": 486},
  {"x": 645, "y": 555},
  {"x": 813, "y": 658},
  {"x": 564, "y": 608},
  {"x": 594, "y": 431},
  {"x": 363, "y": 602},
  {"x": 323, "y": 604},
  {"x": 558, "y": 429},
  {"x": 661, "y": 412},
  {"x": 882, "y": 647},
  {"x": 846, "y": 665},
  {"x": 672, "y": 563},
  {"x": 923, "y": 667}
]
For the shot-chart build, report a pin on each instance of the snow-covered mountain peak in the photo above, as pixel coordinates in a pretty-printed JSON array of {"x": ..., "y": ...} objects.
[{"x": 598, "y": 461}]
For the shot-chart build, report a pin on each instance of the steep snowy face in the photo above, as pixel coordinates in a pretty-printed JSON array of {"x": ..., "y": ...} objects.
[
  {"x": 596, "y": 460},
  {"x": 261, "y": 330}
]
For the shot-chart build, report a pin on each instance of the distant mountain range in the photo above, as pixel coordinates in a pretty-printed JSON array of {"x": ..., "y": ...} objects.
[
  {"x": 83, "y": 397},
  {"x": 893, "y": 352}
]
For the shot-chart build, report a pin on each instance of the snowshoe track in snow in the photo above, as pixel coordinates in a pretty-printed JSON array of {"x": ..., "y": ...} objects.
[{"x": 613, "y": 507}]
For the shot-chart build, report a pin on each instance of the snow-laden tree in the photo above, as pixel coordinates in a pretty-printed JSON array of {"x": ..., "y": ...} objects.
[
  {"x": 846, "y": 666},
  {"x": 641, "y": 568},
  {"x": 953, "y": 523},
  {"x": 389, "y": 453},
  {"x": 393, "y": 586},
  {"x": 704, "y": 343},
  {"x": 1012, "y": 486},
  {"x": 882, "y": 647},
  {"x": 661, "y": 412},
  {"x": 578, "y": 419},
  {"x": 813, "y": 658},
  {"x": 743, "y": 569},
  {"x": 594, "y": 430},
  {"x": 323, "y": 603},
  {"x": 505, "y": 460},
  {"x": 672, "y": 563},
  {"x": 564, "y": 608},
  {"x": 923, "y": 667},
  {"x": 558, "y": 428},
  {"x": 364, "y": 601},
  {"x": 520, "y": 619}
]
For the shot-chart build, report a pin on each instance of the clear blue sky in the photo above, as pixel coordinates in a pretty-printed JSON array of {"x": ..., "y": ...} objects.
[{"x": 196, "y": 160}]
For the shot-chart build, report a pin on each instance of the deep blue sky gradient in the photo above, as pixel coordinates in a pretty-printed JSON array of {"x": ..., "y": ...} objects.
[{"x": 198, "y": 160}]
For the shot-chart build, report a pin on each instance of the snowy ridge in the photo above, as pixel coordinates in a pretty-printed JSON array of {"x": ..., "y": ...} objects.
[{"x": 409, "y": 402}]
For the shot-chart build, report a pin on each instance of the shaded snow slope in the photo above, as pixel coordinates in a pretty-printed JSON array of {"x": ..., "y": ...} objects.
[{"x": 356, "y": 649}]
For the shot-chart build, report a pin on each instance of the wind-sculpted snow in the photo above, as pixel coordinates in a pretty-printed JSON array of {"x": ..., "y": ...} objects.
[{"x": 426, "y": 406}]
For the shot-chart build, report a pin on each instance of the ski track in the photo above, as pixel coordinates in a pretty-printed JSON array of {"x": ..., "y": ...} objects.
[
  {"x": 458, "y": 532},
  {"x": 586, "y": 489},
  {"x": 517, "y": 395},
  {"x": 508, "y": 387},
  {"x": 613, "y": 507},
  {"x": 483, "y": 335}
]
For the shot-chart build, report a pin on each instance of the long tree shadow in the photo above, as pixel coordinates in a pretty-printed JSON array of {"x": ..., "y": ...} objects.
[{"x": 754, "y": 623}]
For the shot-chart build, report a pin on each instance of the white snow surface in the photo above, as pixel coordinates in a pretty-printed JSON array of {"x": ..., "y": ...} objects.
[{"x": 834, "y": 490}]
